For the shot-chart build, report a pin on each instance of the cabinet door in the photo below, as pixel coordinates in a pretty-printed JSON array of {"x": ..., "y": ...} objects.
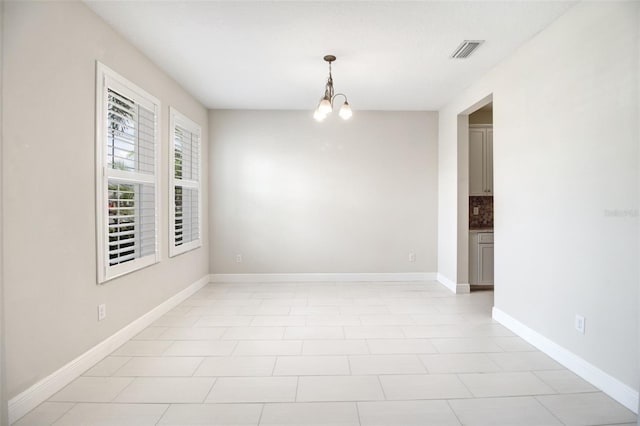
[
  {"x": 476, "y": 160},
  {"x": 488, "y": 163},
  {"x": 474, "y": 258},
  {"x": 485, "y": 263}
]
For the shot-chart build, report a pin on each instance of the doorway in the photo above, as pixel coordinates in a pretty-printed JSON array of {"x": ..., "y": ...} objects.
[{"x": 475, "y": 189}]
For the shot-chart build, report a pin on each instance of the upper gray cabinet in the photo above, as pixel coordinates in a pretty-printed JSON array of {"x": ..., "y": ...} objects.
[{"x": 480, "y": 159}]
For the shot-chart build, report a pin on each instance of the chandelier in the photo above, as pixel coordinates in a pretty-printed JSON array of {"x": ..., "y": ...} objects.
[{"x": 326, "y": 103}]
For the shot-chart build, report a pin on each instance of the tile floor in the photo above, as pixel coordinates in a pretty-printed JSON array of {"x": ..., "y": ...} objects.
[{"x": 394, "y": 354}]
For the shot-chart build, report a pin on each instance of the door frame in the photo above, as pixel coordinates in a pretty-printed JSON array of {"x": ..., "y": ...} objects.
[{"x": 463, "y": 192}]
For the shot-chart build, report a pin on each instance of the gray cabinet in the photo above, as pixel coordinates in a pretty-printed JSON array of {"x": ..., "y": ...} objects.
[
  {"x": 480, "y": 159},
  {"x": 480, "y": 258}
]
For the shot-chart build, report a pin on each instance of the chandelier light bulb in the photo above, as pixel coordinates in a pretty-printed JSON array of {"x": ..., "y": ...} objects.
[
  {"x": 318, "y": 115},
  {"x": 325, "y": 106},
  {"x": 345, "y": 111}
]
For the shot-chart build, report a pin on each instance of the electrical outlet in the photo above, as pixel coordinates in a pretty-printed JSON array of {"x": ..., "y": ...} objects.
[
  {"x": 476, "y": 211},
  {"x": 238, "y": 258},
  {"x": 412, "y": 257},
  {"x": 102, "y": 312},
  {"x": 580, "y": 323}
]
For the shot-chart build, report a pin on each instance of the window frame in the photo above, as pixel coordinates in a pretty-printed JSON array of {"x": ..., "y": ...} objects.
[
  {"x": 107, "y": 79},
  {"x": 176, "y": 118}
]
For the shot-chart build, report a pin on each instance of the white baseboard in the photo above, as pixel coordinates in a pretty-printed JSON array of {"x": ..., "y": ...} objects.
[
  {"x": 322, "y": 277},
  {"x": 26, "y": 401},
  {"x": 617, "y": 390},
  {"x": 454, "y": 287}
]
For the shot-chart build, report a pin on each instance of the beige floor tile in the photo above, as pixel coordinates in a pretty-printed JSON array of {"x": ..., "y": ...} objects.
[
  {"x": 386, "y": 364},
  {"x": 374, "y": 332},
  {"x": 159, "y": 367},
  {"x": 438, "y": 319},
  {"x": 427, "y": 386},
  {"x": 564, "y": 381},
  {"x": 432, "y": 331},
  {"x": 334, "y": 347},
  {"x": 172, "y": 390},
  {"x": 150, "y": 333},
  {"x": 333, "y": 320},
  {"x": 170, "y": 320},
  {"x": 364, "y": 310},
  {"x": 268, "y": 347},
  {"x": 339, "y": 388},
  {"x": 253, "y": 389},
  {"x": 311, "y": 365},
  {"x": 92, "y": 389},
  {"x": 466, "y": 345},
  {"x": 310, "y": 414},
  {"x": 224, "y": 321},
  {"x": 212, "y": 415},
  {"x": 406, "y": 413},
  {"x": 586, "y": 409},
  {"x": 291, "y": 302},
  {"x": 303, "y": 333},
  {"x": 513, "y": 344},
  {"x": 236, "y": 366},
  {"x": 264, "y": 310},
  {"x": 192, "y": 333},
  {"x": 315, "y": 310},
  {"x": 518, "y": 411},
  {"x": 524, "y": 361},
  {"x": 113, "y": 415},
  {"x": 424, "y": 309},
  {"x": 180, "y": 310},
  {"x": 279, "y": 321},
  {"x": 505, "y": 384},
  {"x": 235, "y": 300},
  {"x": 390, "y": 319},
  {"x": 329, "y": 301},
  {"x": 214, "y": 310},
  {"x": 45, "y": 414},
  {"x": 201, "y": 348},
  {"x": 253, "y": 333},
  {"x": 459, "y": 363},
  {"x": 142, "y": 348},
  {"x": 107, "y": 366},
  {"x": 369, "y": 301},
  {"x": 400, "y": 346}
]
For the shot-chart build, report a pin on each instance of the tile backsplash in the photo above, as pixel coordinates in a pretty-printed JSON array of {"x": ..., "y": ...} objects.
[{"x": 484, "y": 218}]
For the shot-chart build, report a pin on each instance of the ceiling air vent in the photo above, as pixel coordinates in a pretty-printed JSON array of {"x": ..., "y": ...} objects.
[{"x": 466, "y": 49}]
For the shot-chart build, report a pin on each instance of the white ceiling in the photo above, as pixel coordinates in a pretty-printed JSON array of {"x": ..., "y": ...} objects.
[{"x": 268, "y": 54}]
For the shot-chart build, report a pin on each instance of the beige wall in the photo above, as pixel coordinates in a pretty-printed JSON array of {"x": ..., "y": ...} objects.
[
  {"x": 49, "y": 190},
  {"x": 296, "y": 196},
  {"x": 3, "y": 399},
  {"x": 565, "y": 183}
]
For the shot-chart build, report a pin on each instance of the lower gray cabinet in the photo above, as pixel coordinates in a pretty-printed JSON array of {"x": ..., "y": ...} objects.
[{"x": 480, "y": 258}]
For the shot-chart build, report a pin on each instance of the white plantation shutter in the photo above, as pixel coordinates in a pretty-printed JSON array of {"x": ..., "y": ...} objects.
[
  {"x": 127, "y": 145},
  {"x": 185, "y": 212}
]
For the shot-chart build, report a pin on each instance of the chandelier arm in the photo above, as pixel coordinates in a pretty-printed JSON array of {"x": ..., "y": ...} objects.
[{"x": 339, "y": 94}]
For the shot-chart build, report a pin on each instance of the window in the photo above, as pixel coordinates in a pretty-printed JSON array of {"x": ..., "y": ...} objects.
[
  {"x": 184, "y": 172},
  {"x": 126, "y": 175}
]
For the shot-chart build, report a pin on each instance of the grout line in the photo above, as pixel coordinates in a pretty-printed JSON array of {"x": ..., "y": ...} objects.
[
  {"x": 535, "y": 397},
  {"x": 358, "y": 412},
  {"x": 198, "y": 367},
  {"x": 215, "y": 380},
  {"x": 163, "y": 414},
  {"x": 453, "y": 411},
  {"x": 382, "y": 388}
]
